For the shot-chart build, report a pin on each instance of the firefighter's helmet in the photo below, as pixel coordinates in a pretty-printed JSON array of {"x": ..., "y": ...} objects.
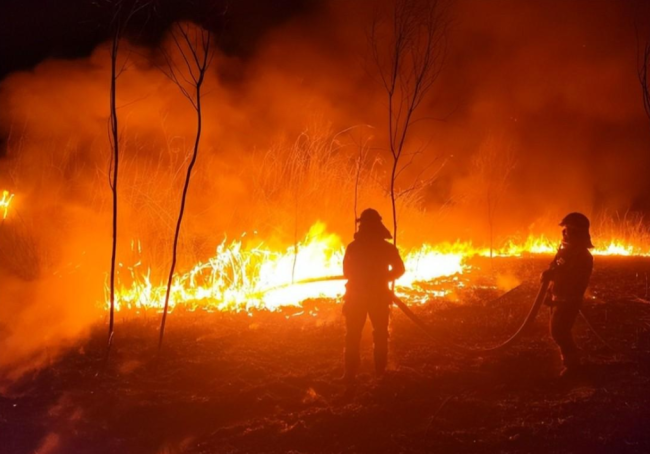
[
  {"x": 369, "y": 214},
  {"x": 576, "y": 220}
]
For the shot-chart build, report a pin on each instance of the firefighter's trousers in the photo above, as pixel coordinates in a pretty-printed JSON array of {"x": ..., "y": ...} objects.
[
  {"x": 562, "y": 320},
  {"x": 355, "y": 312}
]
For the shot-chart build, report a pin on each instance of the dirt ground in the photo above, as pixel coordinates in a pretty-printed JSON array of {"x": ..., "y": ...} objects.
[{"x": 268, "y": 383}]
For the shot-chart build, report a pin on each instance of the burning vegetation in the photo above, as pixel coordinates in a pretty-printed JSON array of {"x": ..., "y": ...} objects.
[
  {"x": 5, "y": 202},
  {"x": 230, "y": 183},
  {"x": 240, "y": 279}
]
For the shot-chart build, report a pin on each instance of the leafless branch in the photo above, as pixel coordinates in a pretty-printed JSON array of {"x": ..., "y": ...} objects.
[
  {"x": 119, "y": 23},
  {"x": 193, "y": 44},
  {"x": 408, "y": 51}
]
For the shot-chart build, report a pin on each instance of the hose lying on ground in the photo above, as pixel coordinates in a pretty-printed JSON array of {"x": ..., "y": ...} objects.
[
  {"x": 532, "y": 313},
  {"x": 539, "y": 300}
]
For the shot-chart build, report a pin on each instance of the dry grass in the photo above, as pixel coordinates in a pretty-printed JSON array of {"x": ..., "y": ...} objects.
[{"x": 630, "y": 228}]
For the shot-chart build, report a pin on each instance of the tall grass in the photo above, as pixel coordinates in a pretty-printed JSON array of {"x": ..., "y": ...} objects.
[{"x": 628, "y": 228}]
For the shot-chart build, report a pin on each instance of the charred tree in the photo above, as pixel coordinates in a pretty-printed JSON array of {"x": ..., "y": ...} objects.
[
  {"x": 193, "y": 45},
  {"x": 408, "y": 48}
]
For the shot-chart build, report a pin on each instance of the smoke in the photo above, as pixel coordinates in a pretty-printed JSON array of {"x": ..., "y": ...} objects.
[
  {"x": 557, "y": 79},
  {"x": 553, "y": 84}
]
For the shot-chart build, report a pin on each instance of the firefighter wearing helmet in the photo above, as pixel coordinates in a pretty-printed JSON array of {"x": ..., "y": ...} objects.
[
  {"x": 569, "y": 275},
  {"x": 370, "y": 264}
]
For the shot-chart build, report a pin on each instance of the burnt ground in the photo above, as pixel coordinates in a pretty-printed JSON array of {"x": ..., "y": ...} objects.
[{"x": 232, "y": 383}]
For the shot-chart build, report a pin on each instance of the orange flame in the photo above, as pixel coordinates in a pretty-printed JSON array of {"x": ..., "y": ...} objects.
[
  {"x": 240, "y": 279},
  {"x": 5, "y": 201},
  {"x": 237, "y": 279}
]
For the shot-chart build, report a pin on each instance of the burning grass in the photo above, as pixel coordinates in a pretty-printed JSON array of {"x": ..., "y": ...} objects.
[
  {"x": 240, "y": 278},
  {"x": 5, "y": 201},
  {"x": 229, "y": 382}
]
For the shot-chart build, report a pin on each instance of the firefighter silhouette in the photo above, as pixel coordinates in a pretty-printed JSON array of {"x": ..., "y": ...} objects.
[
  {"x": 569, "y": 274},
  {"x": 370, "y": 264}
]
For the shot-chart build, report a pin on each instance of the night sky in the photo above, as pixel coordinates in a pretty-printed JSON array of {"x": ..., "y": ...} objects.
[{"x": 33, "y": 30}]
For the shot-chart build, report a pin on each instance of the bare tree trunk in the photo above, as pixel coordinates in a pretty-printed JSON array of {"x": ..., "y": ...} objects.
[
  {"x": 357, "y": 179},
  {"x": 393, "y": 199},
  {"x": 114, "y": 130},
  {"x": 177, "y": 232},
  {"x": 408, "y": 52},
  {"x": 356, "y": 196},
  {"x": 196, "y": 64},
  {"x": 120, "y": 20}
]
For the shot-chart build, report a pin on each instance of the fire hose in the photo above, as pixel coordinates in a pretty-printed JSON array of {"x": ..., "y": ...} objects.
[
  {"x": 530, "y": 317},
  {"x": 532, "y": 313}
]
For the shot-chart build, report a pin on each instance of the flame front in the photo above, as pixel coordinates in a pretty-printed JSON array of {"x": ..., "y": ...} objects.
[
  {"x": 5, "y": 201},
  {"x": 258, "y": 278},
  {"x": 239, "y": 279}
]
